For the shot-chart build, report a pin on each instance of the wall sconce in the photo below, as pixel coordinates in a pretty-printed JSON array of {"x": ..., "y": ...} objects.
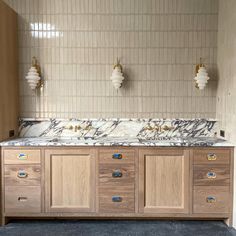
[
  {"x": 202, "y": 77},
  {"x": 34, "y": 75},
  {"x": 117, "y": 75}
]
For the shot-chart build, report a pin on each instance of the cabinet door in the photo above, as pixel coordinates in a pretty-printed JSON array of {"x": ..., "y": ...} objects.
[
  {"x": 164, "y": 181},
  {"x": 70, "y": 180}
]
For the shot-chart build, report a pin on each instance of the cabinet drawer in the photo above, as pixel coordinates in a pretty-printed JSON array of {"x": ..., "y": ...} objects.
[
  {"x": 22, "y": 175},
  {"x": 23, "y": 156},
  {"x": 210, "y": 156},
  {"x": 116, "y": 156},
  {"x": 112, "y": 174},
  {"x": 211, "y": 175},
  {"x": 23, "y": 199},
  {"x": 211, "y": 200},
  {"x": 116, "y": 200}
]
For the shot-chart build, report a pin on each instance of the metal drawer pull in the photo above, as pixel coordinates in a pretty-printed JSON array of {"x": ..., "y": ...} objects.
[
  {"x": 22, "y": 156},
  {"x": 22, "y": 174},
  {"x": 117, "y": 174},
  {"x": 117, "y": 156},
  {"x": 210, "y": 199},
  {"x": 211, "y": 175},
  {"x": 116, "y": 199},
  {"x": 211, "y": 157},
  {"x": 22, "y": 199}
]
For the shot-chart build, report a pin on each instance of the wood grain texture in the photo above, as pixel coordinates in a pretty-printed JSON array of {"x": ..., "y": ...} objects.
[
  {"x": 106, "y": 155},
  {"x": 70, "y": 180},
  {"x": 33, "y": 175},
  {"x": 106, "y": 171},
  {"x": 221, "y": 194},
  {"x": 222, "y": 156},
  {"x": 33, "y": 156},
  {"x": 166, "y": 182},
  {"x": 229, "y": 221},
  {"x": 134, "y": 195},
  {"x": 127, "y": 205},
  {"x": 222, "y": 175},
  {"x": 9, "y": 95},
  {"x": 19, "y": 199}
]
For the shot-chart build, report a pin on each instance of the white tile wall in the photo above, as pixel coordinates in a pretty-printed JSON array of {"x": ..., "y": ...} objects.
[
  {"x": 158, "y": 42},
  {"x": 226, "y": 60}
]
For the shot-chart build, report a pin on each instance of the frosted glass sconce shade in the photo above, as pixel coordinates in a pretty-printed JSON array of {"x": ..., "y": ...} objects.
[
  {"x": 117, "y": 75},
  {"x": 202, "y": 77},
  {"x": 33, "y": 76}
]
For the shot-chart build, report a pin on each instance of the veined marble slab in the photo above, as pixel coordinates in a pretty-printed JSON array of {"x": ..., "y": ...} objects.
[
  {"x": 117, "y": 132},
  {"x": 116, "y": 141},
  {"x": 148, "y": 129}
]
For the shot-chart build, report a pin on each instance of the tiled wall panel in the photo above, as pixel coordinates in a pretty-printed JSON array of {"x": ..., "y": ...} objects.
[
  {"x": 158, "y": 42},
  {"x": 226, "y": 92}
]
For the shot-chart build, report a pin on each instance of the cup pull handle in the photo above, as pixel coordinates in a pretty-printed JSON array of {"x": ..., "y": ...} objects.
[
  {"x": 22, "y": 174},
  {"x": 116, "y": 199},
  {"x": 22, "y": 156},
  {"x": 210, "y": 199},
  {"x": 211, "y": 175},
  {"x": 22, "y": 199},
  {"x": 117, "y": 174},
  {"x": 117, "y": 156},
  {"x": 211, "y": 157}
]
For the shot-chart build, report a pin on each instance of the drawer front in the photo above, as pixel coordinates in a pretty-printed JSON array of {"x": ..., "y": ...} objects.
[
  {"x": 22, "y": 175},
  {"x": 112, "y": 174},
  {"x": 211, "y": 156},
  {"x": 25, "y": 199},
  {"x": 211, "y": 200},
  {"x": 116, "y": 200},
  {"x": 23, "y": 156},
  {"x": 211, "y": 175},
  {"x": 116, "y": 156}
]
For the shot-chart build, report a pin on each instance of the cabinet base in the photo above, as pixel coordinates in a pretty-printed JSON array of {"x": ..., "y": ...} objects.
[{"x": 227, "y": 219}]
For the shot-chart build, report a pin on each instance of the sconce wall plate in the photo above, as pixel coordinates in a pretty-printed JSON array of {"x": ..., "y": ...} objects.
[
  {"x": 117, "y": 75},
  {"x": 34, "y": 75}
]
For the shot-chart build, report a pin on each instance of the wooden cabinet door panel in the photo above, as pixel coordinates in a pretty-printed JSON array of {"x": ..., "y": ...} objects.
[
  {"x": 165, "y": 185},
  {"x": 70, "y": 180}
]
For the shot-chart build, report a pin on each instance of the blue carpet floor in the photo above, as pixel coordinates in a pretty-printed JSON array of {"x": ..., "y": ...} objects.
[{"x": 116, "y": 228}]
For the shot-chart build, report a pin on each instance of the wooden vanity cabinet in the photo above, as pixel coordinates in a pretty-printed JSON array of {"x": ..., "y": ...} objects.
[
  {"x": 212, "y": 181},
  {"x": 22, "y": 181},
  {"x": 70, "y": 180},
  {"x": 164, "y": 180},
  {"x": 118, "y": 182}
]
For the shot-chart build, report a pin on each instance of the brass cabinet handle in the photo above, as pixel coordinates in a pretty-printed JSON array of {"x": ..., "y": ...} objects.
[
  {"x": 22, "y": 156},
  {"x": 116, "y": 199},
  {"x": 117, "y": 174},
  {"x": 22, "y": 199},
  {"x": 22, "y": 174},
  {"x": 211, "y": 175},
  {"x": 211, "y": 157},
  {"x": 210, "y": 199},
  {"x": 117, "y": 156}
]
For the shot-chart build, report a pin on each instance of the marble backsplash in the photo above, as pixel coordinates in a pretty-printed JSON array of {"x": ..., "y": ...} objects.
[{"x": 149, "y": 129}]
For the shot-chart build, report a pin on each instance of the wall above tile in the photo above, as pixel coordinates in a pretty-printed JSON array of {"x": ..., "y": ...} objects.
[{"x": 158, "y": 41}]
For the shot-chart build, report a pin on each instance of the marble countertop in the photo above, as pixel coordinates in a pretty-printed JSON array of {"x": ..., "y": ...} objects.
[{"x": 118, "y": 141}]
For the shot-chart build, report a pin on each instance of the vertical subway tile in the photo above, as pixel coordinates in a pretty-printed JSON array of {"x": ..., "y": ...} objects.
[{"x": 77, "y": 42}]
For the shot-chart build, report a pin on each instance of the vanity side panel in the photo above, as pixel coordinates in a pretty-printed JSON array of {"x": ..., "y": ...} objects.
[{"x": 9, "y": 92}]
